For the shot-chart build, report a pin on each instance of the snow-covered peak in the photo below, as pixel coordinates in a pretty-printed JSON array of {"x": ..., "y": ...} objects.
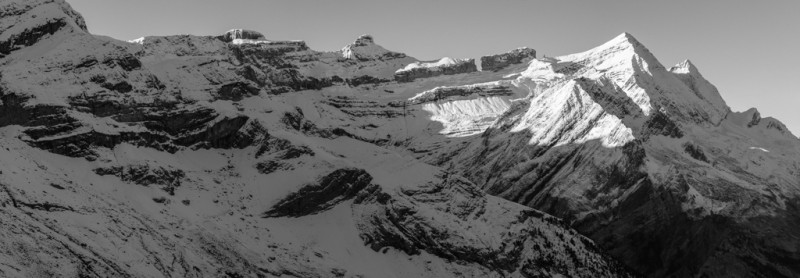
[
  {"x": 686, "y": 97},
  {"x": 620, "y": 60},
  {"x": 623, "y": 41},
  {"x": 619, "y": 51},
  {"x": 687, "y": 72},
  {"x": 685, "y": 67},
  {"x": 625, "y": 37}
]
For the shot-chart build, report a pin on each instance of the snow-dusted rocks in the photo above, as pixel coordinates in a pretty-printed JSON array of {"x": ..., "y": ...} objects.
[
  {"x": 500, "y": 61},
  {"x": 690, "y": 75},
  {"x": 452, "y": 92},
  {"x": 241, "y": 34},
  {"x": 365, "y": 49},
  {"x": 468, "y": 109},
  {"x": 451, "y": 218},
  {"x": 444, "y": 66},
  {"x": 24, "y": 23}
]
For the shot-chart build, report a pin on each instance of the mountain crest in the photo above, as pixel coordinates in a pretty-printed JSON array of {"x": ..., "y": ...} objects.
[
  {"x": 25, "y": 23},
  {"x": 242, "y": 34},
  {"x": 365, "y": 49},
  {"x": 137, "y": 138},
  {"x": 364, "y": 40},
  {"x": 685, "y": 67}
]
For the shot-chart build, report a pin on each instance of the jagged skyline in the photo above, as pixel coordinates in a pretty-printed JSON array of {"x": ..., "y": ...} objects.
[{"x": 718, "y": 39}]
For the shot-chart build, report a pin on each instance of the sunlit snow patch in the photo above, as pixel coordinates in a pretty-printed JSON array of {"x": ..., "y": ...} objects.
[
  {"x": 436, "y": 65},
  {"x": 137, "y": 41},
  {"x": 468, "y": 117},
  {"x": 466, "y": 110}
]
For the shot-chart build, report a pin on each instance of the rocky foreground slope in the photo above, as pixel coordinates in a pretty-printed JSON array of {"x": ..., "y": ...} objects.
[{"x": 240, "y": 156}]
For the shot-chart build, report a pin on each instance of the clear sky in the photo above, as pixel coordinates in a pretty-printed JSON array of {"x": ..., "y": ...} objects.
[{"x": 749, "y": 49}]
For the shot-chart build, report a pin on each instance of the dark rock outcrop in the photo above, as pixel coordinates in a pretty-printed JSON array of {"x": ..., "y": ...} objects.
[
  {"x": 695, "y": 152},
  {"x": 59, "y": 17},
  {"x": 365, "y": 79},
  {"x": 660, "y": 124},
  {"x": 242, "y": 34},
  {"x": 755, "y": 119},
  {"x": 360, "y": 108},
  {"x": 501, "y": 61},
  {"x": 30, "y": 36},
  {"x": 330, "y": 190},
  {"x": 237, "y": 91},
  {"x": 166, "y": 130},
  {"x": 146, "y": 175}
]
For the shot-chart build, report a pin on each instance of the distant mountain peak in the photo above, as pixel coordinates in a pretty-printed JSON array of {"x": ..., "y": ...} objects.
[
  {"x": 242, "y": 34},
  {"x": 364, "y": 40},
  {"x": 617, "y": 51},
  {"x": 364, "y": 48},
  {"x": 685, "y": 67},
  {"x": 628, "y": 37},
  {"x": 621, "y": 41}
]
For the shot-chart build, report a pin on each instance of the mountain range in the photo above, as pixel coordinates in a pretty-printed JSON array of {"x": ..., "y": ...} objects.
[{"x": 238, "y": 155}]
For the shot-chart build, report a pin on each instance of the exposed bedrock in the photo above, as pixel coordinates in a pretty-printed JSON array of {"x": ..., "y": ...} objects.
[
  {"x": 146, "y": 175},
  {"x": 425, "y": 71},
  {"x": 241, "y": 34},
  {"x": 454, "y": 220},
  {"x": 30, "y": 27},
  {"x": 501, "y": 61},
  {"x": 330, "y": 190}
]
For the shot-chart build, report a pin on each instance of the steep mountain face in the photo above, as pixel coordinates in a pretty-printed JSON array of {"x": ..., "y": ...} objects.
[
  {"x": 444, "y": 66},
  {"x": 241, "y": 156},
  {"x": 198, "y": 156},
  {"x": 500, "y": 61},
  {"x": 647, "y": 161}
]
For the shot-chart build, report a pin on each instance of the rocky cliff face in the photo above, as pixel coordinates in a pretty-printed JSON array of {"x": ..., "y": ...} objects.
[
  {"x": 643, "y": 160},
  {"x": 445, "y": 66},
  {"x": 199, "y": 156},
  {"x": 241, "y": 34},
  {"x": 25, "y": 23},
  {"x": 239, "y": 156},
  {"x": 500, "y": 61}
]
